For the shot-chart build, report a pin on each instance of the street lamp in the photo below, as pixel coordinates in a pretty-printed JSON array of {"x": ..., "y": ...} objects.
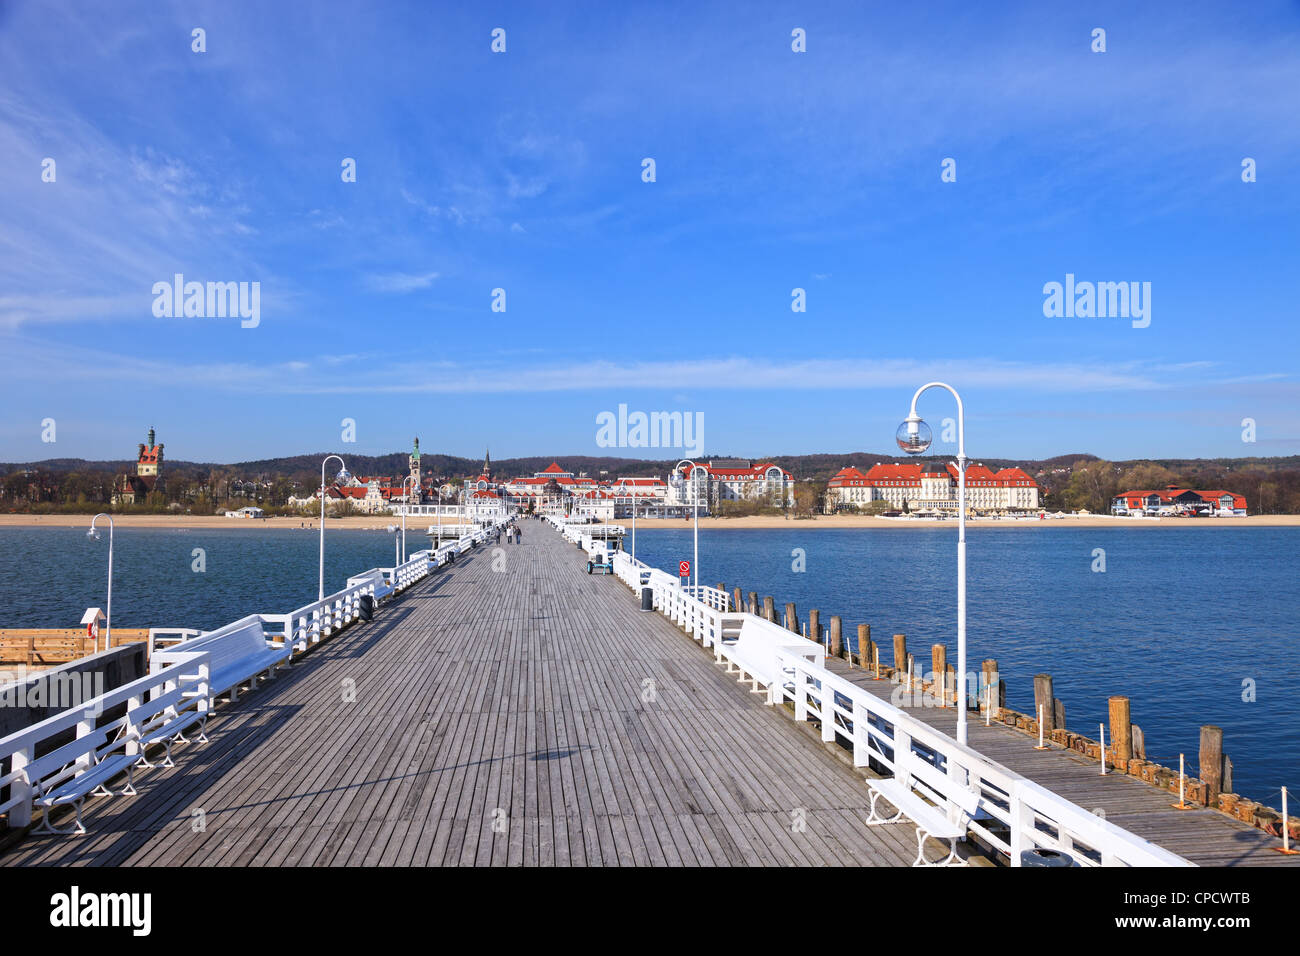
[
  {"x": 405, "y": 504},
  {"x": 393, "y": 529},
  {"x": 914, "y": 437},
  {"x": 93, "y": 534},
  {"x": 342, "y": 476},
  {"x": 695, "y": 494}
]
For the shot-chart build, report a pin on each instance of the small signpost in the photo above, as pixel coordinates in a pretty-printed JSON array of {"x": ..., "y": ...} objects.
[
  {"x": 94, "y": 621},
  {"x": 683, "y": 569}
]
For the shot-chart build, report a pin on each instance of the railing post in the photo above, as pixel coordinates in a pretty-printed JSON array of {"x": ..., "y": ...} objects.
[
  {"x": 861, "y": 735},
  {"x": 1019, "y": 826},
  {"x": 133, "y": 741},
  {"x": 20, "y": 815}
]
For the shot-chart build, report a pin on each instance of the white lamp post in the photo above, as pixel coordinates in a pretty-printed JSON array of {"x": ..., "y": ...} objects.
[
  {"x": 342, "y": 476},
  {"x": 93, "y": 533},
  {"x": 914, "y": 437},
  {"x": 695, "y": 494},
  {"x": 406, "y": 504},
  {"x": 439, "y": 544}
]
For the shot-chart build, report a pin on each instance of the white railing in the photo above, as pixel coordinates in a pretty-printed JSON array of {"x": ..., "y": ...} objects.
[
  {"x": 710, "y": 596},
  {"x": 159, "y": 636},
  {"x": 1015, "y": 814},
  {"x": 181, "y": 667},
  {"x": 23, "y": 748}
]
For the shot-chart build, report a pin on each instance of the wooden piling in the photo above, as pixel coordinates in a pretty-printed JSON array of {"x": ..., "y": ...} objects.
[
  {"x": 900, "y": 652},
  {"x": 837, "y": 637},
  {"x": 1058, "y": 713},
  {"x": 1139, "y": 743},
  {"x": 939, "y": 661},
  {"x": 791, "y": 617},
  {"x": 753, "y": 602},
  {"x": 1211, "y": 768},
  {"x": 1121, "y": 730},
  {"x": 950, "y": 683},
  {"x": 769, "y": 608},
  {"x": 1043, "y": 698},
  {"x": 998, "y": 696},
  {"x": 864, "y": 645},
  {"x": 736, "y": 604},
  {"x": 814, "y": 623}
]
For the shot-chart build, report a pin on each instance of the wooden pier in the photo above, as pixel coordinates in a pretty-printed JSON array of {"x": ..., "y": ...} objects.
[
  {"x": 1204, "y": 836},
  {"x": 508, "y": 709},
  {"x": 505, "y": 707}
]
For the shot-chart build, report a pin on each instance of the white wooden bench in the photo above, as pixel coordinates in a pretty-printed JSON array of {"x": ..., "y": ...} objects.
[
  {"x": 164, "y": 720},
  {"x": 69, "y": 774},
  {"x": 747, "y": 653},
  {"x": 240, "y": 653},
  {"x": 753, "y": 648},
  {"x": 948, "y": 821}
]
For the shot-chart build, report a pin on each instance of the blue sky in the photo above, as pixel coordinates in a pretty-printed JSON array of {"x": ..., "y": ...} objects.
[{"x": 775, "y": 170}]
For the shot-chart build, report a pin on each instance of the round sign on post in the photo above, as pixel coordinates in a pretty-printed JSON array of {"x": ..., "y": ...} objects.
[{"x": 683, "y": 569}]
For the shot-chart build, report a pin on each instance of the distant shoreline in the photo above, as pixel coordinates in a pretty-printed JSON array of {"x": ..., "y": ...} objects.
[
  {"x": 418, "y": 524},
  {"x": 1067, "y": 521}
]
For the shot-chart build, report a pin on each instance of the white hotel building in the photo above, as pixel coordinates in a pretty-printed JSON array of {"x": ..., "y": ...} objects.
[
  {"x": 759, "y": 481},
  {"x": 931, "y": 488}
]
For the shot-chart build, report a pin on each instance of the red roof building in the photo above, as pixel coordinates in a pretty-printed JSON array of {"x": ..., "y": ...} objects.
[
  {"x": 930, "y": 487},
  {"x": 1173, "y": 500}
]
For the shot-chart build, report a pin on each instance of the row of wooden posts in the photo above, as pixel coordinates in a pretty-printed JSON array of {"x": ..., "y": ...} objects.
[{"x": 1126, "y": 742}]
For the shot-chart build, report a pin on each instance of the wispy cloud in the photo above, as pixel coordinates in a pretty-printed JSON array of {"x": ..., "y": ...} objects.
[
  {"x": 402, "y": 281},
  {"x": 380, "y": 372}
]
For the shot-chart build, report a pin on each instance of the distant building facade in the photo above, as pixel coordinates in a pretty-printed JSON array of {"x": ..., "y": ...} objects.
[
  {"x": 148, "y": 477},
  {"x": 731, "y": 481},
  {"x": 1172, "y": 500},
  {"x": 915, "y": 487}
]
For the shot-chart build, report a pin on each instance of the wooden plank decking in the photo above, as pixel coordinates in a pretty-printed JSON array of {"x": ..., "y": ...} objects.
[
  {"x": 1206, "y": 837},
  {"x": 525, "y": 713}
]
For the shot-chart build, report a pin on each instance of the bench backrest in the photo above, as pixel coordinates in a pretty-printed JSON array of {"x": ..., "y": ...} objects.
[
  {"x": 59, "y": 764},
  {"x": 152, "y": 713},
  {"x": 952, "y": 792},
  {"x": 231, "y": 643}
]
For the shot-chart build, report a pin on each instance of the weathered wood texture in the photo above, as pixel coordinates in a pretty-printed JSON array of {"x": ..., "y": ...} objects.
[
  {"x": 532, "y": 715},
  {"x": 1206, "y": 837},
  {"x": 46, "y": 647}
]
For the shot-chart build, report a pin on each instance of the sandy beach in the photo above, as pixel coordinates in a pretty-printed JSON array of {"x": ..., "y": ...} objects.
[{"x": 380, "y": 522}]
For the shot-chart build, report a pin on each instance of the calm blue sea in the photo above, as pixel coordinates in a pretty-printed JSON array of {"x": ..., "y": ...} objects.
[{"x": 1178, "y": 621}]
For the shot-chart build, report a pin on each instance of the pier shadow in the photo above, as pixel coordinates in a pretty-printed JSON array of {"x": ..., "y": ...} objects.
[{"x": 119, "y": 827}]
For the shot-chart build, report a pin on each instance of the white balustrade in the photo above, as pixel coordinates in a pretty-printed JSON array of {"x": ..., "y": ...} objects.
[{"x": 1015, "y": 814}]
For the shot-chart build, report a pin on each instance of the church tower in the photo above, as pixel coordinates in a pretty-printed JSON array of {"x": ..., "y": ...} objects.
[
  {"x": 487, "y": 464},
  {"x": 413, "y": 463}
]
